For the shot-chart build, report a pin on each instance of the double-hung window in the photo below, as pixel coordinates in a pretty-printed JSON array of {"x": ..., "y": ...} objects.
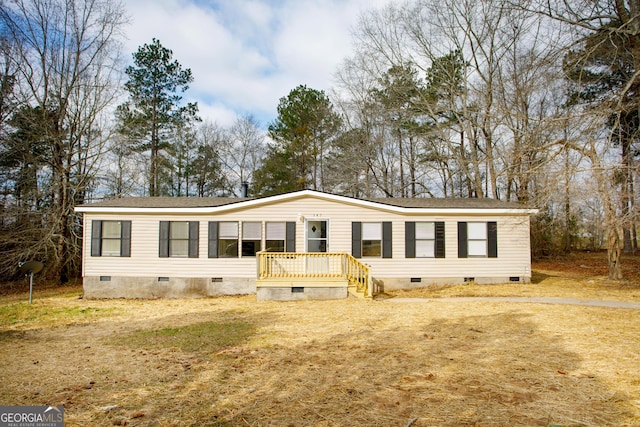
[
  {"x": 371, "y": 239},
  {"x": 251, "y": 238},
  {"x": 424, "y": 239},
  {"x": 228, "y": 239},
  {"x": 111, "y": 238},
  {"x": 179, "y": 239},
  {"x": 275, "y": 236},
  {"x": 223, "y": 239},
  {"x": 478, "y": 239}
]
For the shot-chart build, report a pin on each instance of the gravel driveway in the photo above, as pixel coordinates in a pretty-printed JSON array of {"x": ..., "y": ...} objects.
[{"x": 537, "y": 300}]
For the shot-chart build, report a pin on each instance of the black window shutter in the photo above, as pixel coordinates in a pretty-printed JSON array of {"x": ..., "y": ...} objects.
[
  {"x": 356, "y": 239},
  {"x": 290, "y": 237},
  {"x": 213, "y": 239},
  {"x": 439, "y": 244},
  {"x": 462, "y": 240},
  {"x": 194, "y": 230},
  {"x": 96, "y": 238},
  {"x": 163, "y": 249},
  {"x": 492, "y": 239},
  {"x": 386, "y": 240},
  {"x": 409, "y": 239},
  {"x": 125, "y": 238}
]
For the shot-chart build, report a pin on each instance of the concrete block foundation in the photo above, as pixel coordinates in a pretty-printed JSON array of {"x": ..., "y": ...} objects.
[
  {"x": 300, "y": 293},
  {"x": 96, "y": 287}
]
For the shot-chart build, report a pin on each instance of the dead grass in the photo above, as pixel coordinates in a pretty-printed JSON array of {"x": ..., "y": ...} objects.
[
  {"x": 579, "y": 275},
  {"x": 233, "y": 361}
]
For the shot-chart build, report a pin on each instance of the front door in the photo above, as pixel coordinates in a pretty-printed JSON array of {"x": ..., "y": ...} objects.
[{"x": 317, "y": 236}]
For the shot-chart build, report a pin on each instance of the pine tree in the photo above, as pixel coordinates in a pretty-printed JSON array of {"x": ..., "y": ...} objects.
[{"x": 154, "y": 111}]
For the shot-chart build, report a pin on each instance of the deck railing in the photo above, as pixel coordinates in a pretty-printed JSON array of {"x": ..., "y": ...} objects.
[{"x": 315, "y": 265}]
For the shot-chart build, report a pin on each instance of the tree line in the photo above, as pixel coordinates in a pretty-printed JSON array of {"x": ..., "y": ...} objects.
[{"x": 534, "y": 101}]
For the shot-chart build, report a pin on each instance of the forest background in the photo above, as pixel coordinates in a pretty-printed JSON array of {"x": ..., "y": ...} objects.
[{"x": 536, "y": 102}]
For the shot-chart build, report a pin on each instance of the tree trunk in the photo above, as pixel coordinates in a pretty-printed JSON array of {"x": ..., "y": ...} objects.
[
  {"x": 626, "y": 186},
  {"x": 614, "y": 246}
]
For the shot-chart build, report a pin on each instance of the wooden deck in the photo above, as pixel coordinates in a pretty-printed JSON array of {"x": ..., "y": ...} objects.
[{"x": 319, "y": 270}]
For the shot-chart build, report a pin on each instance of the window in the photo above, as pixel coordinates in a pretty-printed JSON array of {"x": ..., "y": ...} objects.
[
  {"x": 371, "y": 239},
  {"x": 228, "y": 239},
  {"x": 179, "y": 239},
  {"x": 424, "y": 239},
  {"x": 477, "y": 239},
  {"x": 111, "y": 234},
  {"x": 276, "y": 236},
  {"x": 223, "y": 238},
  {"x": 251, "y": 238},
  {"x": 111, "y": 238}
]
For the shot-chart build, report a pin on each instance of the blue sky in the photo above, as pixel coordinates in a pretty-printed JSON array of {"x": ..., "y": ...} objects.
[{"x": 247, "y": 54}]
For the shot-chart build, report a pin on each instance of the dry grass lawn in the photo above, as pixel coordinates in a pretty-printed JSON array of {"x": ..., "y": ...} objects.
[{"x": 236, "y": 362}]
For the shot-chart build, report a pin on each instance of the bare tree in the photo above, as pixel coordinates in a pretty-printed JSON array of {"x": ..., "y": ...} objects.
[
  {"x": 473, "y": 55},
  {"x": 603, "y": 61},
  {"x": 208, "y": 174},
  {"x": 243, "y": 153},
  {"x": 65, "y": 53},
  {"x": 121, "y": 173}
]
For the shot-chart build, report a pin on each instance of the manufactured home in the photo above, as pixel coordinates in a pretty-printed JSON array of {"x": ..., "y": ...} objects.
[{"x": 300, "y": 245}]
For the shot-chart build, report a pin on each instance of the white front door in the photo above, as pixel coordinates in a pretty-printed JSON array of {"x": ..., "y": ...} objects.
[{"x": 317, "y": 235}]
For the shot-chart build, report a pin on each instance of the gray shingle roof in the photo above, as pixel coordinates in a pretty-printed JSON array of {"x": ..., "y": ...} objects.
[
  {"x": 449, "y": 203},
  {"x": 167, "y": 202},
  {"x": 202, "y": 202}
]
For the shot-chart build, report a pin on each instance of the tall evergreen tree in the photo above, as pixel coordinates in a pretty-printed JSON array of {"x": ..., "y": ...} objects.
[
  {"x": 154, "y": 111},
  {"x": 302, "y": 133}
]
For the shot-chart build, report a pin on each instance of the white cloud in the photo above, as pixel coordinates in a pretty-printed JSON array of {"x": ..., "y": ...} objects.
[{"x": 247, "y": 54}]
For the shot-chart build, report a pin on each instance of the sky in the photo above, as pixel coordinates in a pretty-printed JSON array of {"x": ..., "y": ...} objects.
[{"x": 247, "y": 54}]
